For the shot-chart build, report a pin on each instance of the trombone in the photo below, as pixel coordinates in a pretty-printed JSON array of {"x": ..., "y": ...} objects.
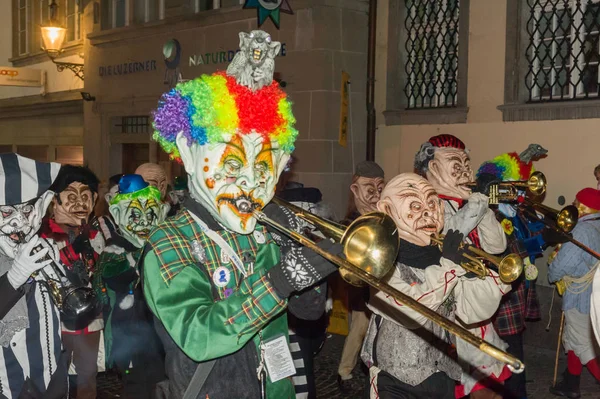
[
  {"x": 371, "y": 245},
  {"x": 508, "y": 191},
  {"x": 563, "y": 221},
  {"x": 509, "y": 267}
]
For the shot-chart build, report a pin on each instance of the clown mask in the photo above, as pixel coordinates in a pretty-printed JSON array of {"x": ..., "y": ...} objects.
[
  {"x": 137, "y": 213},
  {"x": 20, "y": 222},
  {"x": 234, "y": 177},
  {"x": 366, "y": 191},
  {"x": 450, "y": 171},
  {"x": 74, "y": 205},
  {"x": 415, "y": 207}
]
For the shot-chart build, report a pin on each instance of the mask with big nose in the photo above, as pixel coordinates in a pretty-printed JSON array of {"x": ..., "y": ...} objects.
[{"x": 413, "y": 204}]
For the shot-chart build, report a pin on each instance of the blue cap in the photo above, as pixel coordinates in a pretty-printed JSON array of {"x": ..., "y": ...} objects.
[{"x": 131, "y": 183}]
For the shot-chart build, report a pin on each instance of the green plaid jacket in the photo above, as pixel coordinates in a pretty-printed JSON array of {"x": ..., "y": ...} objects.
[{"x": 208, "y": 321}]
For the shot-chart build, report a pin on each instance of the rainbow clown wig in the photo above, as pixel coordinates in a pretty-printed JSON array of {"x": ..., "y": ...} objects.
[
  {"x": 212, "y": 107},
  {"x": 507, "y": 167}
]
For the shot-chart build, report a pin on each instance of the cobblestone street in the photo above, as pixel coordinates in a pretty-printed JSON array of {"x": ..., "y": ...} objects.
[{"x": 539, "y": 362}]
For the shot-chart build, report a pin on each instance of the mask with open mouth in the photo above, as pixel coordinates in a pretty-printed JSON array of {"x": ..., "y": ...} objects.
[
  {"x": 415, "y": 207},
  {"x": 18, "y": 223},
  {"x": 236, "y": 177},
  {"x": 137, "y": 212}
]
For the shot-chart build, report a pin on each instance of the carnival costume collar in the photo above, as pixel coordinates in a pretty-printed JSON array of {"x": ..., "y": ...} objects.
[{"x": 418, "y": 256}]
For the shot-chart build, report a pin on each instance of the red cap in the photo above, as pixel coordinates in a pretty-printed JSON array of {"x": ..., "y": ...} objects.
[
  {"x": 589, "y": 197},
  {"x": 447, "y": 140}
]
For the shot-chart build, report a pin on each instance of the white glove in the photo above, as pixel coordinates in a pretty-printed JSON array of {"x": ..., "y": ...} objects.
[{"x": 26, "y": 263}]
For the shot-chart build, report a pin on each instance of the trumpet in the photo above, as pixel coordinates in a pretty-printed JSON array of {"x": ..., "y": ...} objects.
[
  {"x": 509, "y": 267},
  {"x": 508, "y": 191},
  {"x": 370, "y": 247}
]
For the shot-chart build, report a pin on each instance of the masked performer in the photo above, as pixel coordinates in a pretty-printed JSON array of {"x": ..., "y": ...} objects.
[
  {"x": 31, "y": 364},
  {"x": 365, "y": 190},
  {"x": 80, "y": 244},
  {"x": 154, "y": 175},
  {"x": 525, "y": 237},
  {"x": 178, "y": 194},
  {"x": 445, "y": 162},
  {"x": 576, "y": 268},
  {"x": 408, "y": 355},
  {"x": 217, "y": 282},
  {"x": 129, "y": 339}
]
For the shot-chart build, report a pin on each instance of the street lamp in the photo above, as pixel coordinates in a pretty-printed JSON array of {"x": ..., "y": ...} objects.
[{"x": 53, "y": 36}]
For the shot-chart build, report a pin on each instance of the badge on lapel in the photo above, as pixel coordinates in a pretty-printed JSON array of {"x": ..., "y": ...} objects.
[{"x": 221, "y": 277}]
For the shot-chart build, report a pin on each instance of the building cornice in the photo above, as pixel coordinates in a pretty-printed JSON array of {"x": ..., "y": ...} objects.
[
  {"x": 41, "y": 56},
  {"x": 205, "y": 19},
  {"x": 57, "y": 103}
]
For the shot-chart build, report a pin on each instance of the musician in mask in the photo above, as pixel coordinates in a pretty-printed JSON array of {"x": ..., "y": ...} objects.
[
  {"x": 80, "y": 243},
  {"x": 218, "y": 282},
  {"x": 407, "y": 354},
  {"x": 576, "y": 269},
  {"x": 31, "y": 363},
  {"x": 445, "y": 162},
  {"x": 131, "y": 345},
  {"x": 154, "y": 175},
  {"x": 366, "y": 187}
]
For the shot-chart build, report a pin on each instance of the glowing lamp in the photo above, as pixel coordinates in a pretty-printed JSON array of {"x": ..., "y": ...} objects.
[{"x": 53, "y": 38}]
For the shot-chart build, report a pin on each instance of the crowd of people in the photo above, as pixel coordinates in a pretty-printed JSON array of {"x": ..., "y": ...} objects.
[{"x": 197, "y": 291}]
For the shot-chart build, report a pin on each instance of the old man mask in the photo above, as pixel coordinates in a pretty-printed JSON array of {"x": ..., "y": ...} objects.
[
  {"x": 366, "y": 186},
  {"x": 445, "y": 162},
  {"x": 412, "y": 202}
]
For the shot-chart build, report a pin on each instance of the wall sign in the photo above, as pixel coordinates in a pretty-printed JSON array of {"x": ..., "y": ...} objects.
[
  {"x": 345, "y": 96},
  {"x": 220, "y": 57},
  {"x": 10, "y": 76},
  {"x": 127, "y": 68},
  {"x": 269, "y": 8}
]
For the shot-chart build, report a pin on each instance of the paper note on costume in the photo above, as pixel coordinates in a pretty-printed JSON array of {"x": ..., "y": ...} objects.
[{"x": 278, "y": 359}]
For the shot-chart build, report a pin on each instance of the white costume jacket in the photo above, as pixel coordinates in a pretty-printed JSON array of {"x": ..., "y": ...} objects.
[{"x": 405, "y": 344}]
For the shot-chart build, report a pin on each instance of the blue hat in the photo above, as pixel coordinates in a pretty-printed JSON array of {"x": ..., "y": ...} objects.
[{"x": 131, "y": 183}]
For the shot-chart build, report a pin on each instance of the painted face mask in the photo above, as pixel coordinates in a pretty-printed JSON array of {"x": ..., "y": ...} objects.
[
  {"x": 234, "y": 141},
  {"x": 235, "y": 178},
  {"x": 367, "y": 192},
  {"x": 137, "y": 213},
  {"x": 449, "y": 171},
  {"x": 415, "y": 207},
  {"x": 76, "y": 203},
  {"x": 18, "y": 223}
]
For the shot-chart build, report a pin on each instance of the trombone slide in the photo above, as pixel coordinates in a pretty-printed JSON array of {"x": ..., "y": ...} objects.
[{"x": 406, "y": 300}]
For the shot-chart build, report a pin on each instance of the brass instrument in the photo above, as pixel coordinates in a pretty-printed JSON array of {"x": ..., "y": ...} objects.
[
  {"x": 508, "y": 191},
  {"x": 563, "y": 221},
  {"x": 509, "y": 267},
  {"x": 370, "y": 247}
]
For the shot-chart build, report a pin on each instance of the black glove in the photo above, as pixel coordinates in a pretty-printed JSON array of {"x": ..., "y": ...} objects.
[
  {"x": 81, "y": 244},
  {"x": 300, "y": 267},
  {"x": 451, "y": 248},
  {"x": 552, "y": 237},
  {"x": 484, "y": 182},
  {"x": 283, "y": 216}
]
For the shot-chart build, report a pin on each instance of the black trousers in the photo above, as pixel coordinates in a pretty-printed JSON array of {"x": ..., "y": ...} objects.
[
  {"x": 515, "y": 387},
  {"x": 438, "y": 386}
]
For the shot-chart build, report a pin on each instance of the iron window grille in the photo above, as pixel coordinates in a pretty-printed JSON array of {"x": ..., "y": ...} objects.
[
  {"x": 133, "y": 124},
  {"x": 432, "y": 53},
  {"x": 563, "y": 52}
]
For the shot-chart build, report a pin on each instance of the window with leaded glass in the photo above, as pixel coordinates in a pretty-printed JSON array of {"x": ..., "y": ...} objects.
[
  {"x": 73, "y": 19},
  {"x": 563, "y": 52},
  {"x": 22, "y": 26},
  {"x": 432, "y": 28}
]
